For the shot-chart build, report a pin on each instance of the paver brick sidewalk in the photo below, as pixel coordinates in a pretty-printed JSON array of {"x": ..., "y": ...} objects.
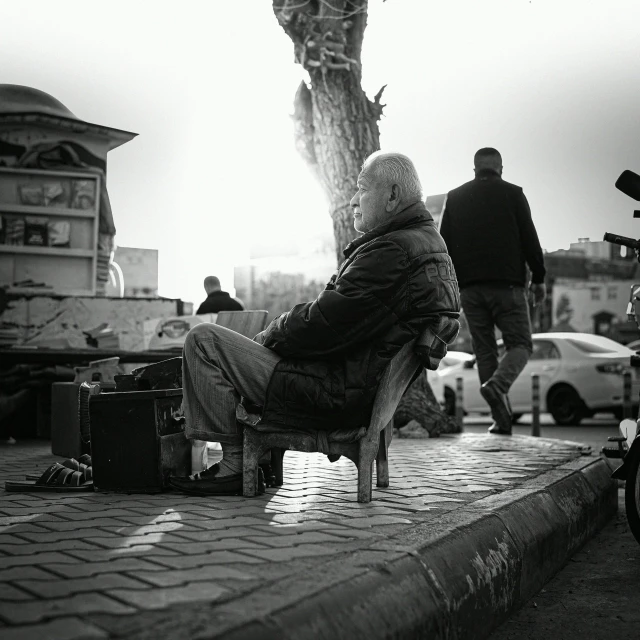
[{"x": 93, "y": 565}]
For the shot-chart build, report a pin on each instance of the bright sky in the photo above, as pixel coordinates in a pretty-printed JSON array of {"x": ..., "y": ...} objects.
[{"x": 209, "y": 85}]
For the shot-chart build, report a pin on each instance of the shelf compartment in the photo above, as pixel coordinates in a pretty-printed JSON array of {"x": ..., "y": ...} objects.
[
  {"x": 26, "y": 209},
  {"x": 46, "y": 251}
]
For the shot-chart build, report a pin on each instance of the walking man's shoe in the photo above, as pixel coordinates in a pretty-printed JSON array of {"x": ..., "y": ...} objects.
[
  {"x": 500, "y": 410},
  {"x": 496, "y": 430}
]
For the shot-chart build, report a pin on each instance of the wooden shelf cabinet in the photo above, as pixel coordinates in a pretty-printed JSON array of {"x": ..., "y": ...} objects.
[{"x": 49, "y": 229}]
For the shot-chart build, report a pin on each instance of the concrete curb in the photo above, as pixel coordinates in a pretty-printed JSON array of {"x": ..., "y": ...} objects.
[{"x": 458, "y": 577}]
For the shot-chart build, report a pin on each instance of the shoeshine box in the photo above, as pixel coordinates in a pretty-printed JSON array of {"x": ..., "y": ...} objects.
[{"x": 136, "y": 440}]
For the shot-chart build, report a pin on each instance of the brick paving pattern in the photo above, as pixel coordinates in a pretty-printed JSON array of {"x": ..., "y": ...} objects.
[{"x": 71, "y": 564}]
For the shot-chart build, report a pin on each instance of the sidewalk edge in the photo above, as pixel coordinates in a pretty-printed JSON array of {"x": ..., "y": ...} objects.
[{"x": 463, "y": 575}]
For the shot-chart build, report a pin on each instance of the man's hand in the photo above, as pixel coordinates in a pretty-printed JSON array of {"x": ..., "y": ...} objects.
[
  {"x": 259, "y": 338},
  {"x": 537, "y": 293}
]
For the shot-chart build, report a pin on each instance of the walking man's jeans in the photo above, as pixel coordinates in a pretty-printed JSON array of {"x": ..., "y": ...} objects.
[
  {"x": 486, "y": 307},
  {"x": 219, "y": 366}
]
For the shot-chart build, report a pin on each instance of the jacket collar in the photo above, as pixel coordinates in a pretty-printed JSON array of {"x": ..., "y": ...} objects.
[
  {"x": 409, "y": 216},
  {"x": 488, "y": 174}
]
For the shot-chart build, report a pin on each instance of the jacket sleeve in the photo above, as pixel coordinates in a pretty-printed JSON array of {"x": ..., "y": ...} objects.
[
  {"x": 529, "y": 240},
  {"x": 444, "y": 226},
  {"x": 362, "y": 305}
]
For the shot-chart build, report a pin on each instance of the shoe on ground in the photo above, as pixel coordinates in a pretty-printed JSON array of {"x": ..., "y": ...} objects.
[
  {"x": 499, "y": 405},
  {"x": 208, "y": 483},
  {"x": 496, "y": 430}
]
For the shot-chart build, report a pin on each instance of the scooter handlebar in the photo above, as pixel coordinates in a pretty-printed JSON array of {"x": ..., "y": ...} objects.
[{"x": 623, "y": 241}]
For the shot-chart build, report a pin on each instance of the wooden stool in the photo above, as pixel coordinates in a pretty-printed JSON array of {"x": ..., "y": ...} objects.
[{"x": 374, "y": 445}]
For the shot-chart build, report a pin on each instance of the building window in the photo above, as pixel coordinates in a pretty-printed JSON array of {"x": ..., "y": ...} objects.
[
  {"x": 595, "y": 293},
  {"x": 612, "y": 293}
]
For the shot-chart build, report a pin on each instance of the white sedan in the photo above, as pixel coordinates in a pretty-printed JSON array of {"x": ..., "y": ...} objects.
[{"x": 580, "y": 374}]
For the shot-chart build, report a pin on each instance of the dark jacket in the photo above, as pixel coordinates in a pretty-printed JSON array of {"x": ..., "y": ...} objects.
[
  {"x": 219, "y": 301},
  {"x": 396, "y": 281},
  {"x": 489, "y": 233}
]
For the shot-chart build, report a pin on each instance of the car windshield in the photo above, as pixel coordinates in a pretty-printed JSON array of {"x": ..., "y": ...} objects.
[{"x": 599, "y": 345}]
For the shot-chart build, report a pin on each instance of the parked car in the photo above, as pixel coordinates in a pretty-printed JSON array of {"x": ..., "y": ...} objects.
[
  {"x": 580, "y": 374},
  {"x": 437, "y": 386},
  {"x": 634, "y": 345}
]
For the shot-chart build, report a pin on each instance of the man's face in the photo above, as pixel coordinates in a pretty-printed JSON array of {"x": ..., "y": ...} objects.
[{"x": 369, "y": 203}]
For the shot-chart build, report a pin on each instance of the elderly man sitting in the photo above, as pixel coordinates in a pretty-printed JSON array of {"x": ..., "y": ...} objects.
[{"x": 319, "y": 364}]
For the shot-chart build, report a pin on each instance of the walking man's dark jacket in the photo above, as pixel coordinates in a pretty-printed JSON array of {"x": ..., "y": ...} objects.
[
  {"x": 489, "y": 233},
  {"x": 219, "y": 301},
  {"x": 396, "y": 280}
]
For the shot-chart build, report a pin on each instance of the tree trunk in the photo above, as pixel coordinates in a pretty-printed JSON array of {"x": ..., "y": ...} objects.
[
  {"x": 336, "y": 125},
  {"x": 336, "y": 128}
]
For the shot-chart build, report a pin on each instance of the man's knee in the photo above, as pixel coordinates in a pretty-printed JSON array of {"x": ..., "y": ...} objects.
[
  {"x": 199, "y": 333},
  {"x": 524, "y": 345}
]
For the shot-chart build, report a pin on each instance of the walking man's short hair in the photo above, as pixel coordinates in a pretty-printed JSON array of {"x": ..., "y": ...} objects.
[
  {"x": 396, "y": 168},
  {"x": 211, "y": 283},
  {"x": 487, "y": 158}
]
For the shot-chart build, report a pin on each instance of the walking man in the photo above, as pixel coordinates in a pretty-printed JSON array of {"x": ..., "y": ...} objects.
[
  {"x": 491, "y": 239},
  {"x": 217, "y": 300},
  {"x": 318, "y": 365}
]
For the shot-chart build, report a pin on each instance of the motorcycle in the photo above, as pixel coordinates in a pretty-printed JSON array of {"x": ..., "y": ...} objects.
[{"x": 628, "y": 442}]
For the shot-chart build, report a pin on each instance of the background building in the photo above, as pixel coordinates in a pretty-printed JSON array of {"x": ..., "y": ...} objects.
[
  {"x": 589, "y": 287},
  {"x": 138, "y": 270},
  {"x": 279, "y": 277}
]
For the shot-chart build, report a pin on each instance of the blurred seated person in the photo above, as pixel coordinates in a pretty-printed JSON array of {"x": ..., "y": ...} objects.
[
  {"x": 217, "y": 300},
  {"x": 319, "y": 365}
]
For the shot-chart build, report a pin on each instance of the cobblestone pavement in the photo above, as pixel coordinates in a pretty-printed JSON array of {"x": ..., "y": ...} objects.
[{"x": 93, "y": 565}]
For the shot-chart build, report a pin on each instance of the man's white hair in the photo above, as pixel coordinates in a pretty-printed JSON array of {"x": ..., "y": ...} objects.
[{"x": 396, "y": 168}]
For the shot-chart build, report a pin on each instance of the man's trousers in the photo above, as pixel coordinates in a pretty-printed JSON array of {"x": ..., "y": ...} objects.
[
  {"x": 218, "y": 367},
  {"x": 486, "y": 307}
]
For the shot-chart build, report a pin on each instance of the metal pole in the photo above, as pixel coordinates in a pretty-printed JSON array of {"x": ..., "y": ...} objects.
[
  {"x": 460, "y": 401},
  {"x": 627, "y": 404},
  {"x": 535, "y": 405}
]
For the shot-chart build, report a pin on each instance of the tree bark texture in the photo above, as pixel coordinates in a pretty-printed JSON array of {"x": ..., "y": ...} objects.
[
  {"x": 419, "y": 403},
  {"x": 336, "y": 128},
  {"x": 335, "y": 124}
]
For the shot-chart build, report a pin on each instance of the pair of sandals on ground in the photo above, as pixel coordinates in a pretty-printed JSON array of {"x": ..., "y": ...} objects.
[
  {"x": 76, "y": 475},
  {"x": 70, "y": 475}
]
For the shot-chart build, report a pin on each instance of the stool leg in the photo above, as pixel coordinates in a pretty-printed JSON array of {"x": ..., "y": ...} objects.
[
  {"x": 382, "y": 459},
  {"x": 251, "y": 451},
  {"x": 277, "y": 457},
  {"x": 365, "y": 471}
]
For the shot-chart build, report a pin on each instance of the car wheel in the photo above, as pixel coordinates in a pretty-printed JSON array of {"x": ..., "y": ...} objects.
[
  {"x": 449, "y": 401},
  {"x": 565, "y": 405},
  {"x": 515, "y": 418}
]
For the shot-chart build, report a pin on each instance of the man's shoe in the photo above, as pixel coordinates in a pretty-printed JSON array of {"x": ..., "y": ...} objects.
[
  {"x": 496, "y": 430},
  {"x": 499, "y": 405},
  {"x": 207, "y": 483}
]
